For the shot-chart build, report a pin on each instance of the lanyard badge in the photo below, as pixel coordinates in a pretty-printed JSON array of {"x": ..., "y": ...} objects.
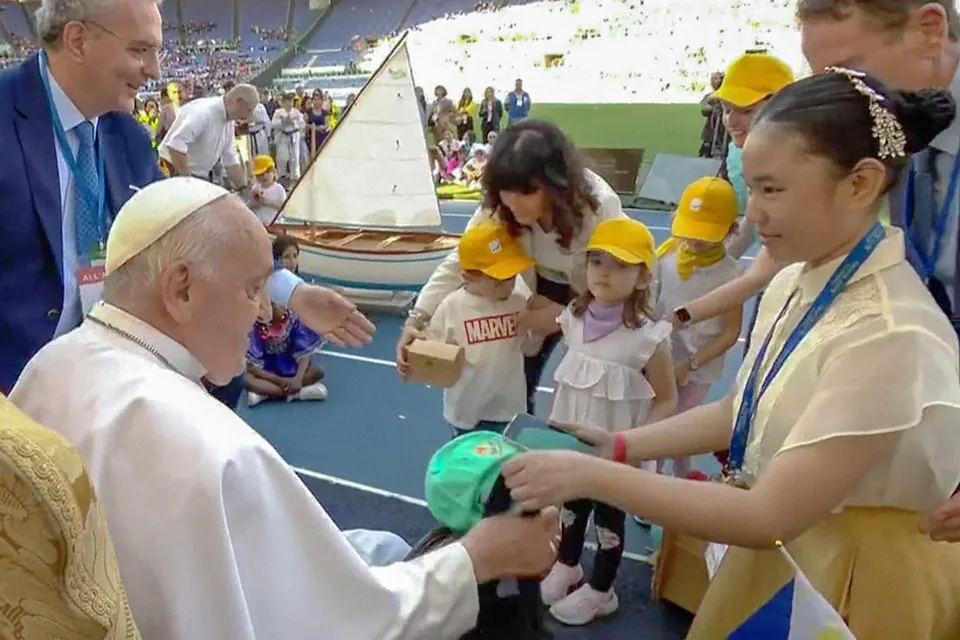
[
  {"x": 923, "y": 260},
  {"x": 90, "y": 272},
  {"x": 751, "y": 394}
]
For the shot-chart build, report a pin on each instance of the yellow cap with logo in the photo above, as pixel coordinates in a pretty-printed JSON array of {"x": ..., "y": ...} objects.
[
  {"x": 753, "y": 77},
  {"x": 707, "y": 210},
  {"x": 626, "y": 239},
  {"x": 487, "y": 247},
  {"x": 262, "y": 164}
]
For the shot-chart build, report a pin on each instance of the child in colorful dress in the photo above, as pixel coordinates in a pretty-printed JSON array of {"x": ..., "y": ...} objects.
[
  {"x": 694, "y": 262},
  {"x": 482, "y": 317},
  {"x": 278, "y": 358},
  {"x": 617, "y": 373}
]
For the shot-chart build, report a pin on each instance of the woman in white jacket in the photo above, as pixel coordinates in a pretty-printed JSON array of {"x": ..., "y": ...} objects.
[{"x": 535, "y": 183}]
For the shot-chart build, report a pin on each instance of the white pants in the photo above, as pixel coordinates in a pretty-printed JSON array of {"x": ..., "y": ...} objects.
[{"x": 288, "y": 155}]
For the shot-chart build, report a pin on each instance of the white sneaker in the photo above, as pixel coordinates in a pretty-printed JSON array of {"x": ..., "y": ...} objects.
[
  {"x": 253, "y": 399},
  {"x": 559, "y": 582},
  {"x": 585, "y": 605},
  {"x": 316, "y": 391}
]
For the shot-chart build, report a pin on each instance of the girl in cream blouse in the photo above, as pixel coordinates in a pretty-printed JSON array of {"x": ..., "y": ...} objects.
[{"x": 858, "y": 432}]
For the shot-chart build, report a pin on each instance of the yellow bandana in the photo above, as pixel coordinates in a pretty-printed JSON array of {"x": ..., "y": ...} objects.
[{"x": 687, "y": 260}]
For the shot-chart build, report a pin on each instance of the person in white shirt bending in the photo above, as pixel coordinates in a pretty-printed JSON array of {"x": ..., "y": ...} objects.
[
  {"x": 694, "y": 261},
  {"x": 267, "y": 195},
  {"x": 482, "y": 317},
  {"x": 617, "y": 374},
  {"x": 205, "y": 132}
]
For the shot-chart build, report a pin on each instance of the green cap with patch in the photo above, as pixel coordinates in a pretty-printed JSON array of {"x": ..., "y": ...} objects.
[{"x": 461, "y": 475}]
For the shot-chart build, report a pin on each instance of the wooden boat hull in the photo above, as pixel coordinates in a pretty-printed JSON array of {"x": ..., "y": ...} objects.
[{"x": 379, "y": 260}]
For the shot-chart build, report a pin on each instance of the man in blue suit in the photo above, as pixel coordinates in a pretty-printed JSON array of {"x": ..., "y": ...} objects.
[{"x": 80, "y": 88}]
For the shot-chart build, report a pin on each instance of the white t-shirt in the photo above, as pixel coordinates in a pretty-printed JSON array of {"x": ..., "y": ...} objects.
[
  {"x": 601, "y": 383},
  {"x": 675, "y": 292},
  {"x": 274, "y": 195},
  {"x": 492, "y": 386},
  {"x": 203, "y": 133}
]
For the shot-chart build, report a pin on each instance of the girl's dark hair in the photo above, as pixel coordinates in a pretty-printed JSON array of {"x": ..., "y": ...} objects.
[
  {"x": 535, "y": 154},
  {"x": 834, "y": 118},
  {"x": 283, "y": 242},
  {"x": 636, "y": 310}
]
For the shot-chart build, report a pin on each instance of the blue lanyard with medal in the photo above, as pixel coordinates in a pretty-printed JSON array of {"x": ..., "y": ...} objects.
[
  {"x": 751, "y": 394},
  {"x": 90, "y": 261},
  {"x": 924, "y": 263}
]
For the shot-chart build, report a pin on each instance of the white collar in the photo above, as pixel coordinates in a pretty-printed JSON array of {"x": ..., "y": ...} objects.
[
  {"x": 159, "y": 345},
  {"x": 68, "y": 112},
  {"x": 888, "y": 253}
]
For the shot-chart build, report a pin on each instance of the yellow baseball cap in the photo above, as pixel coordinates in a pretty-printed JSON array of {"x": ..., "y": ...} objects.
[
  {"x": 753, "y": 77},
  {"x": 707, "y": 209},
  {"x": 488, "y": 248},
  {"x": 262, "y": 164},
  {"x": 625, "y": 239}
]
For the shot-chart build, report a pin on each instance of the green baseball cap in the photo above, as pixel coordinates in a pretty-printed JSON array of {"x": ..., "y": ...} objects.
[{"x": 461, "y": 475}]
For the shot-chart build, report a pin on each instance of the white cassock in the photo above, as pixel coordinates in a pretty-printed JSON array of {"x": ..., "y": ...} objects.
[{"x": 216, "y": 537}]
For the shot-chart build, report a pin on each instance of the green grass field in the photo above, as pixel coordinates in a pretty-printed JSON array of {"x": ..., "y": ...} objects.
[{"x": 656, "y": 128}]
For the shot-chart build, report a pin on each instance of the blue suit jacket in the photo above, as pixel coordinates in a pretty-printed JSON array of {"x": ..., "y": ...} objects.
[{"x": 31, "y": 247}]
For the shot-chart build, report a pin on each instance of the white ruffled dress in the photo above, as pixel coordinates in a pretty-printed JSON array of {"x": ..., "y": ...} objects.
[{"x": 601, "y": 383}]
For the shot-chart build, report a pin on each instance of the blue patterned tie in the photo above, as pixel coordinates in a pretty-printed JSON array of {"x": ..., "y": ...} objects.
[{"x": 86, "y": 190}]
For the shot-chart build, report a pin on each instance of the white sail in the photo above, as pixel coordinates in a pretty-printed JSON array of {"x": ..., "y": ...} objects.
[{"x": 373, "y": 170}]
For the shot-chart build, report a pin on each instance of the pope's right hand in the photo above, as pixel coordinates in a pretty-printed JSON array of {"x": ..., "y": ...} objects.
[
  {"x": 508, "y": 545},
  {"x": 407, "y": 335}
]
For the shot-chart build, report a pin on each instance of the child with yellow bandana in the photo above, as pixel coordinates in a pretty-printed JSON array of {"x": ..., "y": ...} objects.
[{"x": 694, "y": 262}]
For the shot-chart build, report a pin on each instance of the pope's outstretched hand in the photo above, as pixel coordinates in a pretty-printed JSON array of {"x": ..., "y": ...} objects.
[{"x": 331, "y": 315}]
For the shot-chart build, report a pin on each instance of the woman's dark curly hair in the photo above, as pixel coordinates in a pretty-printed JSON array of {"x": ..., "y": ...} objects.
[{"x": 535, "y": 154}]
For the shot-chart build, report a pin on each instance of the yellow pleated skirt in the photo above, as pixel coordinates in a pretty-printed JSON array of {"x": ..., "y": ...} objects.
[{"x": 886, "y": 579}]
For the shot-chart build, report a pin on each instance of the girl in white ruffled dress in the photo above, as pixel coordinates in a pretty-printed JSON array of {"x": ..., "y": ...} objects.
[{"x": 617, "y": 373}]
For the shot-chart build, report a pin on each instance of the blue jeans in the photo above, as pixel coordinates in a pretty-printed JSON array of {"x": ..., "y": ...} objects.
[{"x": 483, "y": 425}]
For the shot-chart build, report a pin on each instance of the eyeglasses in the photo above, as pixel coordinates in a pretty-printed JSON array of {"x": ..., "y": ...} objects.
[{"x": 142, "y": 51}]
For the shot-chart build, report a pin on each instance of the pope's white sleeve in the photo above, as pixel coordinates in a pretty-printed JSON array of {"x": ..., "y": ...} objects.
[
  {"x": 280, "y": 286},
  {"x": 301, "y": 577}
]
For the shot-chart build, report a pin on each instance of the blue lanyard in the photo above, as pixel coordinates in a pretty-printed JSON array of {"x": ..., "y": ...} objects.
[
  {"x": 835, "y": 285},
  {"x": 100, "y": 197},
  {"x": 928, "y": 262}
]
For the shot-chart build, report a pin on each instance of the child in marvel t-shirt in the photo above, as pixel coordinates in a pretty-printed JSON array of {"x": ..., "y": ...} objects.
[{"x": 482, "y": 317}]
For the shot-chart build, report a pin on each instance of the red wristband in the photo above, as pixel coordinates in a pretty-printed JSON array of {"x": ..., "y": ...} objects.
[{"x": 619, "y": 447}]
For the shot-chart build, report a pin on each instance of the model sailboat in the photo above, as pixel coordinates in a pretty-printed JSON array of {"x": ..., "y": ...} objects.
[{"x": 365, "y": 212}]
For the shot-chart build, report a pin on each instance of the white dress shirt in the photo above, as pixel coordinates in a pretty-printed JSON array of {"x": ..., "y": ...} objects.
[
  {"x": 70, "y": 117},
  {"x": 204, "y": 134}
]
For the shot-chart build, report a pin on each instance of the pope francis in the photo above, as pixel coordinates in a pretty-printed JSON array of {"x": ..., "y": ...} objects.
[{"x": 216, "y": 537}]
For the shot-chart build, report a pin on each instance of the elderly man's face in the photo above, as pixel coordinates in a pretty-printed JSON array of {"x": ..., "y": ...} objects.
[{"x": 224, "y": 306}]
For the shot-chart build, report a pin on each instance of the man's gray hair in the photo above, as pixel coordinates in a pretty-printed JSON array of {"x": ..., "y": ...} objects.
[
  {"x": 53, "y": 15},
  {"x": 196, "y": 240}
]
